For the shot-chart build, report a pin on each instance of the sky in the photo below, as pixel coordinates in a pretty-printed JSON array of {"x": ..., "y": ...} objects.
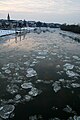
[{"x": 57, "y": 11}]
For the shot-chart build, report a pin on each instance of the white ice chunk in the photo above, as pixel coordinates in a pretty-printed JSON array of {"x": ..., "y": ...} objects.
[
  {"x": 40, "y": 57},
  {"x": 26, "y": 85},
  {"x": 12, "y": 88},
  {"x": 24, "y": 56},
  {"x": 27, "y": 97},
  {"x": 17, "y": 97},
  {"x": 58, "y": 66},
  {"x": 68, "y": 66},
  {"x": 7, "y": 71},
  {"x": 56, "y": 86},
  {"x": 54, "y": 119},
  {"x": 26, "y": 63},
  {"x": 68, "y": 109},
  {"x": 33, "y": 117},
  {"x": 75, "y": 85},
  {"x": 31, "y": 72},
  {"x": 4, "y": 67},
  {"x": 34, "y": 92},
  {"x": 72, "y": 74},
  {"x": 44, "y": 52},
  {"x": 76, "y": 117},
  {"x": 76, "y": 57},
  {"x": 6, "y": 110}
]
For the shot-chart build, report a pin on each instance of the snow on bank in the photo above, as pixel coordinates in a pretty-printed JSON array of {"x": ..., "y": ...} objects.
[
  {"x": 9, "y": 32},
  {"x": 6, "y": 32}
]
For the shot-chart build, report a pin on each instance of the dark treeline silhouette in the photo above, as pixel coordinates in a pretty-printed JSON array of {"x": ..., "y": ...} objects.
[
  {"x": 72, "y": 28},
  {"x": 9, "y": 24}
]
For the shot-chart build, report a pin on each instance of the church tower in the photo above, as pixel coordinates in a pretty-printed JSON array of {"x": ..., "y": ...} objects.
[{"x": 8, "y": 17}]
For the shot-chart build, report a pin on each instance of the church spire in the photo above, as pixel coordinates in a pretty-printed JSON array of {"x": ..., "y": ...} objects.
[{"x": 8, "y": 17}]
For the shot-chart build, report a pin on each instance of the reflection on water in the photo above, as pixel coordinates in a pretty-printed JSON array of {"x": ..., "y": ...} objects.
[
  {"x": 41, "y": 76},
  {"x": 19, "y": 36}
]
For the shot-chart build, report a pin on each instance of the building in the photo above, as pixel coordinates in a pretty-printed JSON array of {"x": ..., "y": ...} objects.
[{"x": 8, "y": 17}]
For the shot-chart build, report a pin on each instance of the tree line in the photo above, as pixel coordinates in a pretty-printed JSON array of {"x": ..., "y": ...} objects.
[{"x": 72, "y": 28}]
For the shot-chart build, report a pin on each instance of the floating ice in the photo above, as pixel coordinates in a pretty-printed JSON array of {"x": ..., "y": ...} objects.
[
  {"x": 12, "y": 115},
  {"x": 12, "y": 65},
  {"x": 26, "y": 85},
  {"x": 40, "y": 57},
  {"x": 53, "y": 53},
  {"x": 6, "y": 110},
  {"x": 76, "y": 57},
  {"x": 76, "y": 117},
  {"x": 16, "y": 69},
  {"x": 33, "y": 117},
  {"x": 47, "y": 81},
  {"x": 24, "y": 56},
  {"x": 72, "y": 74},
  {"x": 68, "y": 109},
  {"x": 75, "y": 85},
  {"x": 56, "y": 86},
  {"x": 31, "y": 65},
  {"x": 58, "y": 66},
  {"x": 68, "y": 66},
  {"x": 36, "y": 117},
  {"x": 7, "y": 71},
  {"x": 31, "y": 72},
  {"x": 17, "y": 97},
  {"x": 44, "y": 52},
  {"x": 12, "y": 88},
  {"x": 39, "y": 81},
  {"x": 54, "y": 119},
  {"x": 26, "y": 63},
  {"x": 34, "y": 92},
  {"x": 5, "y": 67},
  {"x": 27, "y": 97}
]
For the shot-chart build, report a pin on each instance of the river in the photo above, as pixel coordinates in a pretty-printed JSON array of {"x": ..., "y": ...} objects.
[{"x": 40, "y": 76}]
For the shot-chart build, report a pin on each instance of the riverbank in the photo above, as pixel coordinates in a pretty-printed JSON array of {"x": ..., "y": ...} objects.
[{"x": 72, "y": 28}]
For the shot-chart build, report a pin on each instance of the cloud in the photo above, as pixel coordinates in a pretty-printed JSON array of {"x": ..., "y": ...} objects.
[{"x": 41, "y": 8}]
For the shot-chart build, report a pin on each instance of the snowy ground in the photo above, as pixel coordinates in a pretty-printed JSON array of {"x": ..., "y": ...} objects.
[{"x": 6, "y": 32}]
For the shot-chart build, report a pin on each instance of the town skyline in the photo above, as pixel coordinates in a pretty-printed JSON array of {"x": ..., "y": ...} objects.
[{"x": 46, "y": 11}]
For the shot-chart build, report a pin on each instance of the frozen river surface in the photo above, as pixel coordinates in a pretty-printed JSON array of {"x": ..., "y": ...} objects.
[{"x": 40, "y": 76}]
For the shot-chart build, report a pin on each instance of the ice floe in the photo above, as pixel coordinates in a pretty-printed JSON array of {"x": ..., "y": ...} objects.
[
  {"x": 34, "y": 92},
  {"x": 36, "y": 117},
  {"x": 75, "y": 85},
  {"x": 6, "y": 110},
  {"x": 54, "y": 119},
  {"x": 72, "y": 74},
  {"x": 17, "y": 97},
  {"x": 76, "y": 57},
  {"x": 26, "y": 63},
  {"x": 27, "y": 97},
  {"x": 31, "y": 72},
  {"x": 57, "y": 66},
  {"x": 13, "y": 88},
  {"x": 39, "y": 81},
  {"x": 44, "y": 52},
  {"x": 7, "y": 71},
  {"x": 68, "y": 109},
  {"x": 68, "y": 66},
  {"x": 54, "y": 54},
  {"x": 74, "y": 118},
  {"x": 40, "y": 57},
  {"x": 56, "y": 86},
  {"x": 26, "y": 85}
]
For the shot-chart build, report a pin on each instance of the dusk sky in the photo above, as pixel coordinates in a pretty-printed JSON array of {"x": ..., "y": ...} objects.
[{"x": 61, "y": 11}]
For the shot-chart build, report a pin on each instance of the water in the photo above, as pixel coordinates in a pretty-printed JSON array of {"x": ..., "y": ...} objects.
[{"x": 40, "y": 76}]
